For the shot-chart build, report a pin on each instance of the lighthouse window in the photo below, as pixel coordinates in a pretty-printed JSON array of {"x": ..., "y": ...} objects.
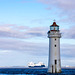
[
  {"x": 55, "y": 39},
  {"x": 55, "y": 61},
  {"x": 55, "y": 45}
]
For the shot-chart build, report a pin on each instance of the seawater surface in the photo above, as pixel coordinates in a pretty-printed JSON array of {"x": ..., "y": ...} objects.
[{"x": 34, "y": 71}]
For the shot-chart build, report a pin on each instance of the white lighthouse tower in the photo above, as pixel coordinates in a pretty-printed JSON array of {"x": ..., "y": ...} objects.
[{"x": 54, "y": 35}]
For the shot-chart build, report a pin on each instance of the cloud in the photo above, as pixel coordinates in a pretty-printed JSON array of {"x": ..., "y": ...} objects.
[
  {"x": 69, "y": 33},
  {"x": 64, "y": 4},
  {"x": 35, "y": 49},
  {"x": 60, "y": 8},
  {"x": 19, "y": 45},
  {"x": 22, "y": 32},
  {"x": 38, "y": 31},
  {"x": 67, "y": 54},
  {"x": 63, "y": 8},
  {"x": 9, "y": 32},
  {"x": 22, "y": 27},
  {"x": 67, "y": 50},
  {"x": 4, "y": 51},
  {"x": 25, "y": 32}
]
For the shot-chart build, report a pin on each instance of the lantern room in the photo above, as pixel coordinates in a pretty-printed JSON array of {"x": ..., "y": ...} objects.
[{"x": 54, "y": 27}]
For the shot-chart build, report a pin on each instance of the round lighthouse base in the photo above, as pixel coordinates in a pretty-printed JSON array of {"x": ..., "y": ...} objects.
[{"x": 53, "y": 72}]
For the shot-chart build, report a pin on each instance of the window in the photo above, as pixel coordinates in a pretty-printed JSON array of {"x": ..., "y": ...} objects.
[
  {"x": 55, "y": 61},
  {"x": 55, "y": 45},
  {"x": 54, "y": 28}
]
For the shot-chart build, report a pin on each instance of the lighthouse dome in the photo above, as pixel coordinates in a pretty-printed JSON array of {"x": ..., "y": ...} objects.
[{"x": 54, "y": 27}]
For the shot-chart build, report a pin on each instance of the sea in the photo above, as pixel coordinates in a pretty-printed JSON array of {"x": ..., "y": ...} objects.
[{"x": 34, "y": 71}]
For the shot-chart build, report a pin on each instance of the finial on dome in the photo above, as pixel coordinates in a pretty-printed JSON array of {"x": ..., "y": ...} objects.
[{"x": 54, "y": 23}]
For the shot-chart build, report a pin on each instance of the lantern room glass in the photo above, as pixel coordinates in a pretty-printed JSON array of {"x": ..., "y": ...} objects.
[{"x": 54, "y": 28}]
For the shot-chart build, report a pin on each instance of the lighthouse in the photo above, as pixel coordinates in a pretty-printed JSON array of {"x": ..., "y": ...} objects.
[{"x": 54, "y": 35}]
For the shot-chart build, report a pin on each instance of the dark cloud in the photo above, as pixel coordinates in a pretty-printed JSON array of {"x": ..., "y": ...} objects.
[
  {"x": 12, "y": 34},
  {"x": 38, "y": 31},
  {"x": 33, "y": 48},
  {"x": 22, "y": 32}
]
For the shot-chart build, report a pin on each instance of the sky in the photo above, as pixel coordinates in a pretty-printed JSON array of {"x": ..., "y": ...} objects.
[{"x": 23, "y": 31}]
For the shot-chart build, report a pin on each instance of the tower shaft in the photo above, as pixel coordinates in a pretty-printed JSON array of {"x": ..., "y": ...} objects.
[{"x": 54, "y": 63}]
